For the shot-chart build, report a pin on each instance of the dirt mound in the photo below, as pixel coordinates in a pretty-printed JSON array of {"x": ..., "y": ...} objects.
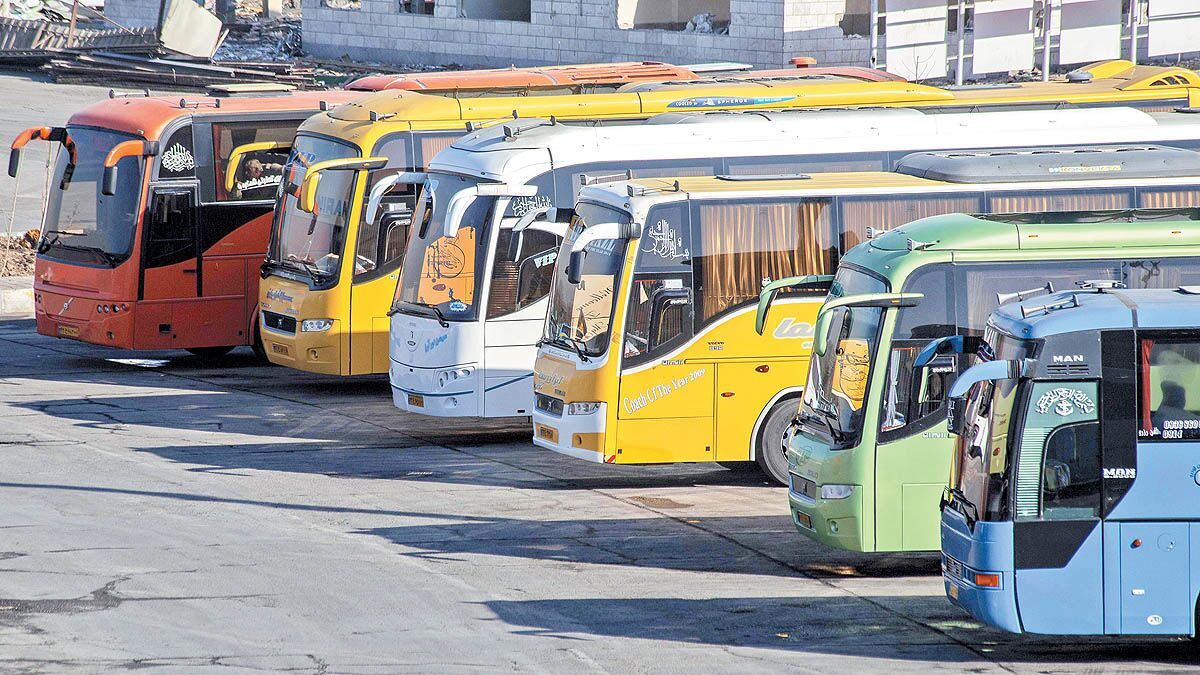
[{"x": 17, "y": 253}]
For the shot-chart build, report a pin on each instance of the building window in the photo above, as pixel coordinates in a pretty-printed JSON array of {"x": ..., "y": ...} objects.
[
  {"x": 502, "y": 10},
  {"x": 691, "y": 16},
  {"x": 416, "y": 7}
]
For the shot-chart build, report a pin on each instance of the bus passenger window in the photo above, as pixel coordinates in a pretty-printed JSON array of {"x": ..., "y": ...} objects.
[
  {"x": 1169, "y": 389},
  {"x": 259, "y": 173},
  {"x": 1071, "y": 472},
  {"x": 520, "y": 281}
]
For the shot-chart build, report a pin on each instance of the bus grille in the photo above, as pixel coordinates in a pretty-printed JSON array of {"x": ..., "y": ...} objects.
[
  {"x": 1062, "y": 369},
  {"x": 279, "y": 322},
  {"x": 550, "y": 405}
]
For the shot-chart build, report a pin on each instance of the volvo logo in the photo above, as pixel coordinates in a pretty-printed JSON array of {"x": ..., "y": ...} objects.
[
  {"x": 66, "y": 305},
  {"x": 412, "y": 340}
]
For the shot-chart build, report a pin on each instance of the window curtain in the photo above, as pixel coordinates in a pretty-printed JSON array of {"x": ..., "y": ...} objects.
[
  {"x": 1169, "y": 199},
  {"x": 1057, "y": 201},
  {"x": 741, "y": 245},
  {"x": 886, "y": 213}
]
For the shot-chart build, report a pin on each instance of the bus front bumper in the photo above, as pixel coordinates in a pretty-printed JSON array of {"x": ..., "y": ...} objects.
[
  {"x": 438, "y": 392},
  {"x": 85, "y": 319},
  {"x": 834, "y": 522},
  {"x": 578, "y": 436},
  {"x": 311, "y": 351},
  {"x": 987, "y": 550}
]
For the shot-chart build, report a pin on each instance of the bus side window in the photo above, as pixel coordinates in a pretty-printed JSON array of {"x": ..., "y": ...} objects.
[
  {"x": 915, "y": 327},
  {"x": 660, "y": 301},
  {"x": 520, "y": 282},
  {"x": 1169, "y": 388},
  {"x": 1071, "y": 472},
  {"x": 172, "y": 229}
]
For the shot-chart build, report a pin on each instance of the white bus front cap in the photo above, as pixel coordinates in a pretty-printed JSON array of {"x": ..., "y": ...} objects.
[{"x": 462, "y": 199}]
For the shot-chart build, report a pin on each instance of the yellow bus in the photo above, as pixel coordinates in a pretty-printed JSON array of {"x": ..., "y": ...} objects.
[
  {"x": 683, "y": 377},
  {"x": 323, "y": 316}
]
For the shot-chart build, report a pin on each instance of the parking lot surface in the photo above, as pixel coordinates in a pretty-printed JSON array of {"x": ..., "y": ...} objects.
[{"x": 163, "y": 513}]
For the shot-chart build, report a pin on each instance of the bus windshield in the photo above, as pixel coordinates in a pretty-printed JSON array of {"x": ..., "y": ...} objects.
[
  {"x": 980, "y": 476},
  {"x": 442, "y": 273},
  {"x": 837, "y": 380},
  {"x": 313, "y": 242},
  {"x": 581, "y": 315},
  {"x": 82, "y": 224}
]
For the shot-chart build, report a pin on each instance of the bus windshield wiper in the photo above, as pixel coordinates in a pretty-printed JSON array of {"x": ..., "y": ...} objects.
[
  {"x": 108, "y": 258},
  {"x": 835, "y": 433},
  {"x": 437, "y": 313},
  {"x": 962, "y": 504},
  {"x": 577, "y": 346}
]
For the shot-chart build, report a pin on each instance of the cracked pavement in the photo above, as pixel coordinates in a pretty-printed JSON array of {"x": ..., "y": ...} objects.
[{"x": 166, "y": 514}]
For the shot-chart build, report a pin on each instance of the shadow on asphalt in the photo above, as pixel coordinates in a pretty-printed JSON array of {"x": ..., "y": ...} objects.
[{"x": 826, "y": 625}]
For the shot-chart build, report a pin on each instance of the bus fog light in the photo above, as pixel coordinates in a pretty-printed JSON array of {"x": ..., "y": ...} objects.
[
  {"x": 836, "y": 491},
  {"x": 316, "y": 325},
  {"x": 447, "y": 376},
  {"x": 582, "y": 408}
]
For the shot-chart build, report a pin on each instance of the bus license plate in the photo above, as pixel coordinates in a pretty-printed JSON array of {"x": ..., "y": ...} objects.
[
  {"x": 416, "y": 400},
  {"x": 68, "y": 331},
  {"x": 279, "y": 349},
  {"x": 548, "y": 433},
  {"x": 953, "y": 589}
]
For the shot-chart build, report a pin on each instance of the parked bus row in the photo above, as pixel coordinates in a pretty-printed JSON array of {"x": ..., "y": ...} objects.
[{"x": 772, "y": 271}]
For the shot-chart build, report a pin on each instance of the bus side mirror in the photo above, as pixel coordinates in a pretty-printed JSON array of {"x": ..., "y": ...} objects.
[
  {"x": 956, "y": 413},
  {"x": 119, "y": 152},
  {"x": 308, "y": 192},
  {"x": 239, "y": 155},
  {"x": 769, "y": 292},
  {"x": 882, "y": 300},
  {"x": 312, "y": 178},
  {"x": 575, "y": 267}
]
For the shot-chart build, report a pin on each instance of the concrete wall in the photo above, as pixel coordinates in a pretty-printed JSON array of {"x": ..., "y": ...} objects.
[
  {"x": 133, "y": 13},
  {"x": 574, "y": 31}
]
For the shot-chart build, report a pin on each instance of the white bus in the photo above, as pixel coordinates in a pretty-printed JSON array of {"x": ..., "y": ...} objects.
[{"x": 471, "y": 302}]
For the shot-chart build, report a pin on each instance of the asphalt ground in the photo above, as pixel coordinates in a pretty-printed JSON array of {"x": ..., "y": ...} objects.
[{"x": 163, "y": 513}]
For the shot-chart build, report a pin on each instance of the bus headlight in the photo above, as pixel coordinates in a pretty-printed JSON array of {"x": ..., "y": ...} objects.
[
  {"x": 836, "y": 491},
  {"x": 316, "y": 325},
  {"x": 582, "y": 408}
]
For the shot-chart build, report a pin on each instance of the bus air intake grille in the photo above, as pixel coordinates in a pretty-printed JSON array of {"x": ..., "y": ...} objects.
[
  {"x": 279, "y": 322},
  {"x": 550, "y": 405},
  {"x": 1067, "y": 369}
]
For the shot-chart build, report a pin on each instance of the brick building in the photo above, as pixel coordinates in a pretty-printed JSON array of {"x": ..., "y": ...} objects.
[{"x": 765, "y": 33}]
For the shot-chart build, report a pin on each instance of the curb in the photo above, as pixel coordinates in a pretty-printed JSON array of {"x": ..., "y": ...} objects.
[{"x": 17, "y": 302}]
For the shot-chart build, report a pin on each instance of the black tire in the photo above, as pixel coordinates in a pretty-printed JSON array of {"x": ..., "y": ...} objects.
[
  {"x": 740, "y": 467},
  {"x": 256, "y": 346},
  {"x": 769, "y": 451},
  {"x": 210, "y": 352}
]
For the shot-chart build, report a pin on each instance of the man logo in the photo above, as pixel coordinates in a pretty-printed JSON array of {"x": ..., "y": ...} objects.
[
  {"x": 1068, "y": 358},
  {"x": 789, "y": 329},
  {"x": 1120, "y": 473}
]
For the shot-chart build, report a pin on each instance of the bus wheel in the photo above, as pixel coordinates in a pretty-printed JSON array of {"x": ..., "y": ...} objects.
[
  {"x": 770, "y": 452},
  {"x": 260, "y": 352},
  {"x": 740, "y": 466},
  {"x": 210, "y": 352}
]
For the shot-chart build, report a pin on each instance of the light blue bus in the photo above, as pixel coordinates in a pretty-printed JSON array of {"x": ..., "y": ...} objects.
[{"x": 1074, "y": 499}]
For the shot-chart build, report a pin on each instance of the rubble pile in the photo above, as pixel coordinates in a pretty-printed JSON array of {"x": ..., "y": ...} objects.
[
  {"x": 17, "y": 253},
  {"x": 269, "y": 40}
]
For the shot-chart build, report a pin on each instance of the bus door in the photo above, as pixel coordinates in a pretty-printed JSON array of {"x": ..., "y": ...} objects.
[
  {"x": 1058, "y": 542},
  {"x": 378, "y": 252},
  {"x": 666, "y": 403},
  {"x": 169, "y": 312}
]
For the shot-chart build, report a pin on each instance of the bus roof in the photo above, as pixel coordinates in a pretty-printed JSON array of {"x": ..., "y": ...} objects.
[
  {"x": 1088, "y": 309},
  {"x": 395, "y": 110},
  {"x": 525, "y": 146},
  {"x": 148, "y": 116},
  {"x": 1012, "y": 232},
  {"x": 1118, "y": 165}
]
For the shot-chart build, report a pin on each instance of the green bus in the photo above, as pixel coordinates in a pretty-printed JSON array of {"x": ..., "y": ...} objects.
[{"x": 869, "y": 452}]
